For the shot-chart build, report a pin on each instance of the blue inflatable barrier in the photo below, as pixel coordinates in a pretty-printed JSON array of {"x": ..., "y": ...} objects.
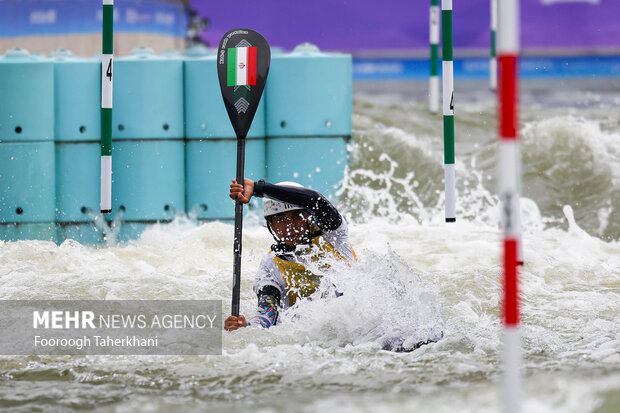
[
  {"x": 78, "y": 191},
  {"x": 27, "y": 103},
  {"x": 173, "y": 150},
  {"x": 28, "y": 193},
  {"x": 148, "y": 161},
  {"x": 309, "y": 101},
  {"x": 77, "y": 101},
  {"x": 77, "y": 97},
  {"x": 211, "y": 151},
  {"x": 148, "y": 179},
  {"x": 148, "y": 97},
  {"x": 27, "y": 199}
]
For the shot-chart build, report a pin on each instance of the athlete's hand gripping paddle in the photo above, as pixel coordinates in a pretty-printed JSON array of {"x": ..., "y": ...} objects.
[{"x": 243, "y": 59}]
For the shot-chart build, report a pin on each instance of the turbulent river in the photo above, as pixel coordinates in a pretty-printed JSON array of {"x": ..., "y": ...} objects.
[{"x": 416, "y": 275}]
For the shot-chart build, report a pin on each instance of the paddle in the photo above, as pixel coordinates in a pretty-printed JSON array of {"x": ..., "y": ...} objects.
[{"x": 243, "y": 58}]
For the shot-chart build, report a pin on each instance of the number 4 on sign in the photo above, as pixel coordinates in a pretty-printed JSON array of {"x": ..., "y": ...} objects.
[{"x": 108, "y": 72}]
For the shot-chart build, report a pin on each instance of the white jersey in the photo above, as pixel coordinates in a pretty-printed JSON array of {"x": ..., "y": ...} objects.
[{"x": 269, "y": 274}]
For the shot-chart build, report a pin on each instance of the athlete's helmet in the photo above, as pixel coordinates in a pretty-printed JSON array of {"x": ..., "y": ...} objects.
[{"x": 273, "y": 207}]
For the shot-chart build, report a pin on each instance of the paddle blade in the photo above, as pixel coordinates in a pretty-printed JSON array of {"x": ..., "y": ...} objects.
[{"x": 243, "y": 59}]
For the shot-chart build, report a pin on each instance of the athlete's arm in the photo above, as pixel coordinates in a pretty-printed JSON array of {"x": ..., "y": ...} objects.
[
  {"x": 327, "y": 216},
  {"x": 267, "y": 312}
]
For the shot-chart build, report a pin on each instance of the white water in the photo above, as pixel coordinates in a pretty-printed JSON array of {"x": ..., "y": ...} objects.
[{"x": 416, "y": 275}]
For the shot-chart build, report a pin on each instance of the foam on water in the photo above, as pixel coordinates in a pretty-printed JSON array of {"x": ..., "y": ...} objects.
[
  {"x": 570, "y": 156},
  {"x": 416, "y": 278},
  {"x": 392, "y": 306}
]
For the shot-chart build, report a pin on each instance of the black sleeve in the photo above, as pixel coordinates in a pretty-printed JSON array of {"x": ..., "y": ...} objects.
[{"x": 327, "y": 216}]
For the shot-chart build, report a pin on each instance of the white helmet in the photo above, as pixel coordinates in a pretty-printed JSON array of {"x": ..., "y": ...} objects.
[{"x": 273, "y": 206}]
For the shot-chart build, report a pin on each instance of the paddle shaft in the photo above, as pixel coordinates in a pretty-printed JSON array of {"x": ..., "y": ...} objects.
[{"x": 238, "y": 230}]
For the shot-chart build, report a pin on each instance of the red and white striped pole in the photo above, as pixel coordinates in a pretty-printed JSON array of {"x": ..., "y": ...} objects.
[{"x": 509, "y": 167}]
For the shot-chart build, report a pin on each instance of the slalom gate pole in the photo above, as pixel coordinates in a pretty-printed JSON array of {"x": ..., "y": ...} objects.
[
  {"x": 509, "y": 167},
  {"x": 107, "y": 55},
  {"x": 448, "y": 109},
  {"x": 493, "y": 58},
  {"x": 433, "y": 95}
]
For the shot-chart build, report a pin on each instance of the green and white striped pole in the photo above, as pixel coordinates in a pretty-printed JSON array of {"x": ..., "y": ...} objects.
[
  {"x": 106, "y": 106},
  {"x": 433, "y": 95},
  {"x": 448, "y": 109},
  {"x": 493, "y": 59}
]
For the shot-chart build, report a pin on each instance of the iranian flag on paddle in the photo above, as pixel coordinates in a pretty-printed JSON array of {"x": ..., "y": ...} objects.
[{"x": 241, "y": 66}]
